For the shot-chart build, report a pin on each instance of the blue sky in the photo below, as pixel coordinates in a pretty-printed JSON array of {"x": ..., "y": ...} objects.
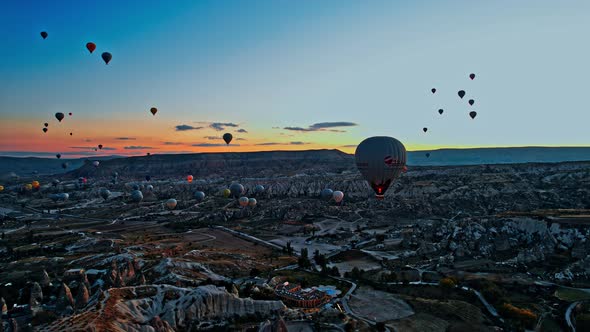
[{"x": 265, "y": 64}]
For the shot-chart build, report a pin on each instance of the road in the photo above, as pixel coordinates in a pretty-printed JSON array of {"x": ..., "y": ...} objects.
[{"x": 568, "y": 316}]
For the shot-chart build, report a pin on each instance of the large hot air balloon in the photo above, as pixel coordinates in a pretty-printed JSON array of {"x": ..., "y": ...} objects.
[
  {"x": 100, "y": 146},
  {"x": 461, "y": 93},
  {"x": 338, "y": 196},
  {"x": 58, "y": 156},
  {"x": 96, "y": 163},
  {"x": 105, "y": 193},
  {"x": 472, "y": 76},
  {"x": 227, "y": 137},
  {"x": 243, "y": 201},
  {"x": 59, "y": 116},
  {"x": 44, "y": 130},
  {"x": 259, "y": 189},
  {"x": 154, "y": 110},
  {"x": 43, "y": 34},
  {"x": 189, "y": 178},
  {"x": 380, "y": 160},
  {"x": 136, "y": 196},
  {"x": 199, "y": 196},
  {"x": 424, "y": 129},
  {"x": 433, "y": 90},
  {"x": 236, "y": 190},
  {"x": 106, "y": 57},
  {"x": 70, "y": 114},
  {"x": 326, "y": 194},
  {"x": 471, "y": 102},
  {"x": 473, "y": 114},
  {"x": 252, "y": 202},
  {"x": 171, "y": 204},
  {"x": 441, "y": 111},
  {"x": 226, "y": 193},
  {"x": 135, "y": 186},
  {"x": 91, "y": 46},
  {"x": 46, "y": 124}
]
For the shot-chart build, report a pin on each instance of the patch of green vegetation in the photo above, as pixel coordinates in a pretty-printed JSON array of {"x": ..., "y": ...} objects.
[{"x": 571, "y": 295}]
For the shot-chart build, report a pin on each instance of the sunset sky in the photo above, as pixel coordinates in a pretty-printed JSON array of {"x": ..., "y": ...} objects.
[{"x": 280, "y": 74}]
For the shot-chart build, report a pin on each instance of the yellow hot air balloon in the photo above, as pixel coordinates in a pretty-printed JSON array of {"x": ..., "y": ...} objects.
[
  {"x": 28, "y": 186},
  {"x": 226, "y": 192},
  {"x": 1, "y": 188}
]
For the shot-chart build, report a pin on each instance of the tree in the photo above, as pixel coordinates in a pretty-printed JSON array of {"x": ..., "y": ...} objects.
[
  {"x": 303, "y": 260},
  {"x": 380, "y": 327},
  {"x": 335, "y": 272},
  {"x": 254, "y": 272}
]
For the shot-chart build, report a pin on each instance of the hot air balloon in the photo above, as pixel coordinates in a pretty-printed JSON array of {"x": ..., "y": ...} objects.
[
  {"x": 136, "y": 196},
  {"x": 461, "y": 94},
  {"x": 227, "y": 137},
  {"x": 473, "y": 114},
  {"x": 199, "y": 196},
  {"x": 148, "y": 154},
  {"x": 259, "y": 189},
  {"x": 243, "y": 201},
  {"x": 154, "y": 110},
  {"x": 59, "y": 116},
  {"x": 441, "y": 111},
  {"x": 106, "y": 56},
  {"x": 472, "y": 76},
  {"x": 424, "y": 129},
  {"x": 226, "y": 193},
  {"x": 189, "y": 178},
  {"x": 252, "y": 202},
  {"x": 96, "y": 163},
  {"x": 471, "y": 102},
  {"x": 105, "y": 193},
  {"x": 150, "y": 188},
  {"x": 64, "y": 165},
  {"x": 43, "y": 34},
  {"x": 100, "y": 146},
  {"x": 58, "y": 156},
  {"x": 380, "y": 160},
  {"x": 427, "y": 154},
  {"x": 35, "y": 184},
  {"x": 71, "y": 134},
  {"x": 135, "y": 186},
  {"x": 171, "y": 204},
  {"x": 236, "y": 189},
  {"x": 55, "y": 182},
  {"x": 326, "y": 194},
  {"x": 91, "y": 46},
  {"x": 44, "y": 130},
  {"x": 28, "y": 187},
  {"x": 1, "y": 188},
  {"x": 70, "y": 114},
  {"x": 405, "y": 169},
  {"x": 338, "y": 196},
  {"x": 148, "y": 178},
  {"x": 46, "y": 124},
  {"x": 64, "y": 196},
  {"x": 433, "y": 90}
]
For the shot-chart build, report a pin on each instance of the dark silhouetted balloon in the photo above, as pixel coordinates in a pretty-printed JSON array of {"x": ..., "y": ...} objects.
[
  {"x": 44, "y": 130},
  {"x": 236, "y": 190},
  {"x": 70, "y": 114},
  {"x": 326, "y": 194},
  {"x": 46, "y": 124},
  {"x": 100, "y": 146},
  {"x": 227, "y": 137},
  {"x": 433, "y": 90},
  {"x": 461, "y": 94},
  {"x": 58, "y": 156},
  {"x": 473, "y": 114},
  {"x": 441, "y": 111},
  {"x": 104, "y": 193},
  {"x": 64, "y": 165},
  {"x": 106, "y": 56},
  {"x": 43, "y": 34},
  {"x": 424, "y": 129},
  {"x": 380, "y": 160},
  {"x": 71, "y": 134},
  {"x": 154, "y": 110},
  {"x": 148, "y": 178},
  {"x": 59, "y": 116},
  {"x": 427, "y": 154},
  {"x": 91, "y": 46},
  {"x": 472, "y": 76},
  {"x": 471, "y": 102}
]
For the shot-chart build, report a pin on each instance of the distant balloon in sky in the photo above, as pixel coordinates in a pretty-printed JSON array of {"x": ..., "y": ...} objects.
[
  {"x": 227, "y": 137},
  {"x": 424, "y": 129},
  {"x": 380, "y": 160},
  {"x": 433, "y": 90},
  {"x": 43, "y": 34},
  {"x": 58, "y": 156},
  {"x": 171, "y": 204},
  {"x": 91, "y": 46},
  {"x": 461, "y": 93},
  {"x": 100, "y": 146},
  {"x": 70, "y": 114},
  {"x": 44, "y": 130},
  {"x": 154, "y": 110},
  {"x": 441, "y": 111},
  {"x": 473, "y": 114},
  {"x": 64, "y": 165},
  {"x": 96, "y": 163},
  {"x": 46, "y": 124},
  {"x": 338, "y": 196},
  {"x": 106, "y": 56},
  {"x": 71, "y": 134},
  {"x": 59, "y": 116},
  {"x": 189, "y": 178},
  {"x": 472, "y": 76},
  {"x": 471, "y": 102},
  {"x": 427, "y": 154}
]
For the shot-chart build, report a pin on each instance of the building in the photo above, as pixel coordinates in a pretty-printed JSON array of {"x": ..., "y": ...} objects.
[{"x": 293, "y": 295}]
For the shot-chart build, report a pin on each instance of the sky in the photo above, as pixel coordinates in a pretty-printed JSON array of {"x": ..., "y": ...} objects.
[{"x": 291, "y": 75}]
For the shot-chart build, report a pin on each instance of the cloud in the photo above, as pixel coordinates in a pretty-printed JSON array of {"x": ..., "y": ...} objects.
[
  {"x": 349, "y": 146},
  {"x": 269, "y": 143},
  {"x": 90, "y": 148},
  {"x": 172, "y": 143},
  {"x": 125, "y": 138},
  {"x": 324, "y": 126},
  {"x": 207, "y": 145},
  {"x": 184, "y": 127},
  {"x": 240, "y": 139},
  {"x": 298, "y": 143},
  {"x": 288, "y": 143},
  {"x": 212, "y": 138},
  {"x": 138, "y": 147},
  {"x": 219, "y": 126},
  {"x": 241, "y": 130},
  {"x": 276, "y": 127},
  {"x": 88, "y": 140}
]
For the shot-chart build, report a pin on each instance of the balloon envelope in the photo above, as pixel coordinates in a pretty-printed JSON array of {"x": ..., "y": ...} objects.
[
  {"x": 441, "y": 111},
  {"x": 43, "y": 34},
  {"x": 136, "y": 196},
  {"x": 471, "y": 102},
  {"x": 58, "y": 156},
  {"x": 243, "y": 201},
  {"x": 189, "y": 178},
  {"x": 461, "y": 93},
  {"x": 327, "y": 194},
  {"x": 433, "y": 90},
  {"x": 44, "y": 130},
  {"x": 46, "y": 124},
  {"x": 199, "y": 196},
  {"x": 252, "y": 202},
  {"x": 471, "y": 76},
  {"x": 338, "y": 196},
  {"x": 473, "y": 114},
  {"x": 106, "y": 57},
  {"x": 259, "y": 189},
  {"x": 59, "y": 116},
  {"x": 226, "y": 193},
  {"x": 171, "y": 204},
  {"x": 91, "y": 46},
  {"x": 380, "y": 160},
  {"x": 424, "y": 129},
  {"x": 100, "y": 146},
  {"x": 96, "y": 163},
  {"x": 227, "y": 137},
  {"x": 154, "y": 110},
  {"x": 105, "y": 193},
  {"x": 236, "y": 189},
  {"x": 64, "y": 165}
]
